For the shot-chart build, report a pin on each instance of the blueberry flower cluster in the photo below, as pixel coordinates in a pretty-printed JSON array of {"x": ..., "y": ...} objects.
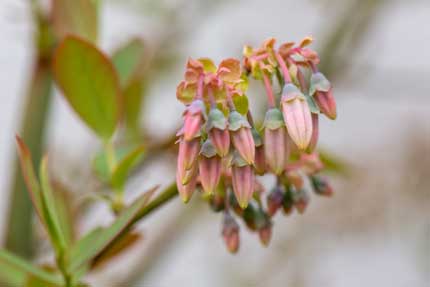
[{"x": 222, "y": 151}]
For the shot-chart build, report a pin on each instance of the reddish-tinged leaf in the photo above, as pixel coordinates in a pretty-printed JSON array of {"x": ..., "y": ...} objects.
[
  {"x": 229, "y": 70},
  {"x": 89, "y": 83}
]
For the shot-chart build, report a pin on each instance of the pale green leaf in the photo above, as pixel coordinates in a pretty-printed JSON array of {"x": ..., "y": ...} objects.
[
  {"x": 15, "y": 271},
  {"x": 93, "y": 244},
  {"x": 122, "y": 169}
]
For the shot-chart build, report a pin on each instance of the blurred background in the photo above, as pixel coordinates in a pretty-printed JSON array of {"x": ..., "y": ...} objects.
[{"x": 375, "y": 231}]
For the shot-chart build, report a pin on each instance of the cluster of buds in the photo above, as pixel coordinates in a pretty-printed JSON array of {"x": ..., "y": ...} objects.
[{"x": 222, "y": 151}]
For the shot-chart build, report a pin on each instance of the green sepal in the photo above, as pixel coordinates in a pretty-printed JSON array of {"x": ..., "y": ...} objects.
[
  {"x": 216, "y": 119},
  {"x": 257, "y": 138},
  {"x": 291, "y": 92},
  {"x": 237, "y": 160},
  {"x": 208, "y": 150},
  {"x": 313, "y": 107},
  {"x": 273, "y": 119},
  {"x": 319, "y": 83},
  {"x": 237, "y": 121}
]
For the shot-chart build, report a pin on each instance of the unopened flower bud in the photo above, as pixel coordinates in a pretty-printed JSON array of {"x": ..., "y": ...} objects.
[
  {"x": 209, "y": 167},
  {"x": 301, "y": 200},
  {"x": 243, "y": 179},
  {"x": 193, "y": 119},
  {"x": 218, "y": 132},
  {"x": 288, "y": 201},
  {"x": 321, "y": 186},
  {"x": 265, "y": 234},
  {"x": 297, "y": 116},
  {"x": 249, "y": 216},
  {"x": 230, "y": 233},
  {"x": 241, "y": 136},
  {"x": 263, "y": 225},
  {"x": 274, "y": 200},
  {"x": 322, "y": 91},
  {"x": 187, "y": 190},
  {"x": 186, "y": 164},
  {"x": 188, "y": 153},
  {"x": 276, "y": 147}
]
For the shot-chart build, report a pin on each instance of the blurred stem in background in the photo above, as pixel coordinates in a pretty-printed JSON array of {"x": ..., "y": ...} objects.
[
  {"x": 344, "y": 37},
  {"x": 19, "y": 233}
]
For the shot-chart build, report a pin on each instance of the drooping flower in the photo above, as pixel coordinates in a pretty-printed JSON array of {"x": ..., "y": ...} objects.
[
  {"x": 241, "y": 136},
  {"x": 276, "y": 147},
  {"x": 188, "y": 153},
  {"x": 297, "y": 116},
  {"x": 243, "y": 180},
  {"x": 230, "y": 233},
  {"x": 274, "y": 200},
  {"x": 186, "y": 190},
  {"x": 193, "y": 119},
  {"x": 321, "y": 186},
  {"x": 322, "y": 91},
  {"x": 218, "y": 132},
  {"x": 209, "y": 167}
]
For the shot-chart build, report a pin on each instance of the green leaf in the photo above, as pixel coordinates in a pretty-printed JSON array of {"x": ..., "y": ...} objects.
[
  {"x": 241, "y": 103},
  {"x": 128, "y": 60},
  {"x": 42, "y": 198},
  {"x": 96, "y": 242},
  {"x": 122, "y": 169},
  {"x": 50, "y": 210},
  {"x": 89, "y": 83},
  {"x": 79, "y": 17},
  {"x": 100, "y": 162},
  {"x": 132, "y": 96},
  {"x": 208, "y": 65},
  {"x": 30, "y": 178},
  {"x": 15, "y": 271}
]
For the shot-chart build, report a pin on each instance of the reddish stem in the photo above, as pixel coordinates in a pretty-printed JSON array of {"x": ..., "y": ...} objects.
[
  {"x": 229, "y": 99},
  {"x": 300, "y": 76},
  {"x": 200, "y": 83},
  {"x": 313, "y": 67},
  {"x": 211, "y": 97},
  {"x": 284, "y": 69},
  {"x": 269, "y": 91},
  {"x": 260, "y": 57}
]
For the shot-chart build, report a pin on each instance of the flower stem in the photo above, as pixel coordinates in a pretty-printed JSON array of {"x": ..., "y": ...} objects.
[
  {"x": 269, "y": 91},
  {"x": 283, "y": 67}
]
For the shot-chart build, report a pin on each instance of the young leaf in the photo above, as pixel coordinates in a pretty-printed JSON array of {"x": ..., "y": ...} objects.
[
  {"x": 89, "y": 83},
  {"x": 96, "y": 242},
  {"x": 19, "y": 271},
  {"x": 241, "y": 103},
  {"x": 128, "y": 60},
  {"x": 132, "y": 96},
  {"x": 51, "y": 213},
  {"x": 42, "y": 198},
  {"x": 30, "y": 178},
  {"x": 121, "y": 171},
  {"x": 100, "y": 162}
]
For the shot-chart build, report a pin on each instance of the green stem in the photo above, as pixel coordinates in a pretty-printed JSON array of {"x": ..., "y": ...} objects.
[
  {"x": 19, "y": 233},
  {"x": 164, "y": 197}
]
